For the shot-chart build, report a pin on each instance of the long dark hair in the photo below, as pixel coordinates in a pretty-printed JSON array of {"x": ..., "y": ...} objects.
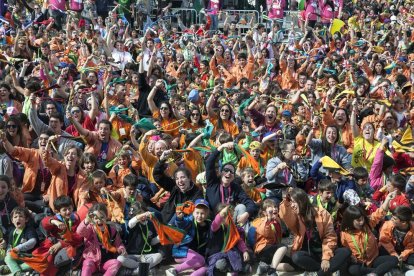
[
  {"x": 306, "y": 209},
  {"x": 326, "y": 146},
  {"x": 352, "y": 213},
  {"x": 200, "y": 122},
  {"x": 171, "y": 114},
  {"x": 219, "y": 120},
  {"x": 19, "y": 128}
]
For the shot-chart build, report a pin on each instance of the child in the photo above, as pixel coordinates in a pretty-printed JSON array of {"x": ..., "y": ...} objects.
[
  {"x": 397, "y": 183},
  {"x": 364, "y": 190},
  {"x": 218, "y": 258},
  {"x": 125, "y": 165},
  {"x": 7, "y": 204},
  {"x": 60, "y": 232},
  {"x": 397, "y": 235},
  {"x": 92, "y": 193},
  {"x": 337, "y": 175},
  {"x": 267, "y": 240},
  {"x": 142, "y": 240},
  {"x": 256, "y": 162},
  {"x": 22, "y": 239},
  {"x": 248, "y": 185},
  {"x": 381, "y": 168},
  {"x": 325, "y": 198},
  {"x": 102, "y": 243},
  {"x": 191, "y": 253},
  {"x": 356, "y": 234}
]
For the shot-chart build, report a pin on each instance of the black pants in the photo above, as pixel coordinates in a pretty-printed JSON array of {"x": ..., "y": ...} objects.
[
  {"x": 380, "y": 266},
  {"x": 34, "y": 203},
  {"x": 384, "y": 252},
  {"x": 312, "y": 262}
]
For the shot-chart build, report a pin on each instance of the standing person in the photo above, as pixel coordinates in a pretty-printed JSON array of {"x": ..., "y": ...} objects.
[{"x": 315, "y": 241}]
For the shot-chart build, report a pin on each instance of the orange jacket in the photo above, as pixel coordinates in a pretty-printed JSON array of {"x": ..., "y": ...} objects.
[
  {"x": 246, "y": 72},
  {"x": 387, "y": 240},
  {"x": 94, "y": 145},
  {"x": 169, "y": 126},
  {"x": 372, "y": 245},
  {"x": 228, "y": 125},
  {"x": 297, "y": 226},
  {"x": 59, "y": 182},
  {"x": 31, "y": 161},
  {"x": 265, "y": 235},
  {"x": 149, "y": 160},
  {"x": 117, "y": 175}
]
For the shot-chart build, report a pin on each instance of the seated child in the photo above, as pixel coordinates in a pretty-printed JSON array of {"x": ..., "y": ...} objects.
[
  {"x": 190, "y": 254},
  {"x": 102, "y": 243},
  {"x": 248, "y": 185},
  {"x": 325, "y": 197},
  {"x": 396, "y": 183},
  {"x": 397, "y": 235},
  {"x": 22, "y": 239},
  {"x": 222, "y": 256},
  {"x": 61, "y": 234},
  {"x": 357, "y": 235},
  {"x": 125, "y": 165},
  {"x": 364, "y": 190},
  {"x": 142, "y": 240},
  {"x": 267, "y": 240}
]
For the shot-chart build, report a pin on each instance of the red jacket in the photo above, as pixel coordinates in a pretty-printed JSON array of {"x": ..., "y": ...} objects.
[{"x": 399, "y": 200}]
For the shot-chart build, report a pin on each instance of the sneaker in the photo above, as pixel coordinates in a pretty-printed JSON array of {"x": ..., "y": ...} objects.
[
  {"x": 135, "y": 271},
  {"x": 4, "y": 270},
  {"x": 171, "y": 272},
  {"x": 271, "y": 272},
  {"x": 262, "y": 268},
  {"x": 221, "y": 265}
]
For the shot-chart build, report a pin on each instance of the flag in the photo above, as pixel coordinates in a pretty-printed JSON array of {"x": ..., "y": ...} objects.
[
  {"x": 37, "y": 262},
  {"x": 167, "y": 234},
  {"x": 231, "y": 235},
  {"x": 329, "y": 163}
]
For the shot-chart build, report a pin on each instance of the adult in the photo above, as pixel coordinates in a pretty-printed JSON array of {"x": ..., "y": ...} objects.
[
  {"x": 181, "y": 187},
  {"x": 222, "y": 188}
]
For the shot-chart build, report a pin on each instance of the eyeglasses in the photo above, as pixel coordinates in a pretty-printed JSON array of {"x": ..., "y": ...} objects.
[
  {"x": 164, "y": 108},
  {"x": 227, "y": 170},
  {"x": 225, "y": 110},
  {"x": 11, "y": 126},
  {"x": 195, "y": 114},
  {"x": 75, "y": 111},
  {"x": 50, "y": 108}
]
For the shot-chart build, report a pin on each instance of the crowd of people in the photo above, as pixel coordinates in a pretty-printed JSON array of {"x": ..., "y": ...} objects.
[{"x": 131, "y": 140}]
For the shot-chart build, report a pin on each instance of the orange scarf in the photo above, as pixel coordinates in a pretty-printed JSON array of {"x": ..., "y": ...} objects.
[{"x": 104, "y": 238}]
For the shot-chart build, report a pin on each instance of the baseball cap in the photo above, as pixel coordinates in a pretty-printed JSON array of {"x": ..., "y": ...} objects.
[
  {"x": 255, "y": 145},
  {"x": 193, "y": 96},
  {"x": 201, "y": 201}
]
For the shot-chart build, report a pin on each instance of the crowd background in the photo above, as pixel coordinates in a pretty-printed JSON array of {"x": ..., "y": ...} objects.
[{"x": 201, "y": 133}]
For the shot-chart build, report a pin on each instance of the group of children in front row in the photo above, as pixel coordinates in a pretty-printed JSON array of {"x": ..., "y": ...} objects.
[{"x": 360, "y": 245}]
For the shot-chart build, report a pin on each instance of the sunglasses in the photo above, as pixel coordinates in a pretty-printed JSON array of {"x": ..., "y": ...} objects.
[
  {"x": 195, "y": 114},
  {"x": 164, "y": 108},
  {"x": 227, "y": 170},
  {"x": 75, "y": 111},
  {"x": 225, "y": 110},
  {"x": 11, "y": 126}
]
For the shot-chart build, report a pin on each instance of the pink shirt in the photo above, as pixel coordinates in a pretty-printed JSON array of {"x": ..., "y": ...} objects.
[
  {"x": 311, "y": 10},
  {"x": 327, "y": 11},
  {"x": 57, "y": 4},
  {"x": 214, "y": 7},
  {"x": 275, "y": 8}
]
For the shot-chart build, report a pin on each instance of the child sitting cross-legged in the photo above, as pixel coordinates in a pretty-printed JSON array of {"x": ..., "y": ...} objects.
[{"x": 22, "y": 240}]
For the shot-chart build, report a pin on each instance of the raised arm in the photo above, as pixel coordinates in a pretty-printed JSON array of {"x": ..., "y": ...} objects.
[
  {"x": 152, "y": 106},
  {"x": 354, "y": 126}
]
